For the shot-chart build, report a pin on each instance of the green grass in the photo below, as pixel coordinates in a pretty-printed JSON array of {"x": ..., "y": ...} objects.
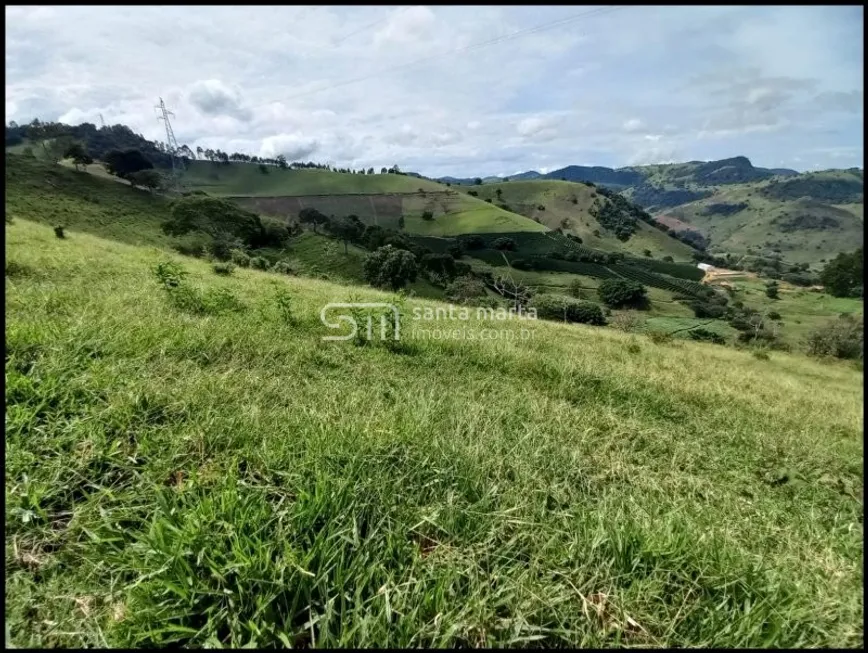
[
  {"x": 758, "y": 225},
  {"x": 452, "y": 213},
  {"x": 526, "y": 198},
  {"x": 231, "y": 479},
  {"x": 241, "y": 179}
]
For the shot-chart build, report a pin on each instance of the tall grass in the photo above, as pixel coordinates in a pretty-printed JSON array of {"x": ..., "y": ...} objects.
[{"x": 228, "y": 478}]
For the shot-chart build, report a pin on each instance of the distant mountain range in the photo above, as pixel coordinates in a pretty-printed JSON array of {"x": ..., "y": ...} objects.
[{"x": 726, "y": 171}]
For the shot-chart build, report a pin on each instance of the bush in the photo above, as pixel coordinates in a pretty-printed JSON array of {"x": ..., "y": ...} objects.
[
  {"x": 668, "y": 259},
  {"x": 427, "y": 215},
  {"x": 259, "y": 263},
  {"x": 541, "y": 208},
  {"x": 58, "y": 231},
  {"x": 567, "y": 309},
  {"x": 240, "y": 258},
  {"x": 504, "y": 244},
  {"x": 465, "y": 290},
  {"x": 474, "y": 242},
  {"x": 704, "y": 335},
  {"x": 840, "y": 338},
  {"x": 659, "y": 337},
  {"x": 627, "y": 322},
  {"x": 772, "y": 290},
  {"x": 223, "y": 269},
  {"x": 455, "y": 250},
  {"x": 221, "y": 247},
  {"x": 707, "y": 310},
  {"x": 774, "y": 315},
  {"x": 616, "y": 293},
  {"x": 282, "y": 267},
  {"x": 760, "y": 354}
]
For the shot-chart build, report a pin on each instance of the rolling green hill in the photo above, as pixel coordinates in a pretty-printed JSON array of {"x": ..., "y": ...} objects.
[
  {"x": 808, "y": 217},
  {"x": 805, "y": 218},
  {"x": 174, "y": 478},
  {"x": 567, "y": 205},
  {"x": 243, "y": 179}
]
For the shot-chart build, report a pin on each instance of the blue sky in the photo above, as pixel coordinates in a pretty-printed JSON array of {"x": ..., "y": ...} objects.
[{"x": 609, "y": 86}]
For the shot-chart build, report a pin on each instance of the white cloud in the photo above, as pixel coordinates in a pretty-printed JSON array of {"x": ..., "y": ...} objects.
[
  {"x": 758, "y": 81},
  {"x": 292, "y": 146}
]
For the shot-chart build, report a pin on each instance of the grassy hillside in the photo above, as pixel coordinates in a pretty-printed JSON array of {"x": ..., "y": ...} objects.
[
  {"x": 231, "y": 479},
  {"x": 452, "y": 213},
  {"x": 57, "y": 195},
  {"x": 771, "y": 216},
  {"x": 241, "y": 179},
  {"x": 566, "y": 205}
]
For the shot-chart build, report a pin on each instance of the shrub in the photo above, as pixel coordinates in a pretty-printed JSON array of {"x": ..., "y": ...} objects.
[
  {"x": 488, "y": 199},
  {"x": 58, "y": 231},
  {"x": 616, "y": 293},
  {"x": 668, "y": 259},
  {"x": 283, "y": 303},
  {"x": 240, "y": 258},
  {"x": 465, "y": 290},
  {"x": 841, "y": 338},
  {"x": 627, "y": 322},
  {"x": 282, "y": 267},
  {"x": 169, "y": 274},
  {"x": 473, "y": 192},
  {"x": 659, "y": 337},
  {"x": 455, "y": 250},
  {"x": 704, "y": 335},
  {"x": 541, "y": 208},
  {"x": 427, "y": 215},
  {"x": 221, "y": 247},
  {"x": 474, "y": 242},
  {"x": 760, "y": 354},
  {"x": 772, "y": 290},
  {"x": 223, "y": 269},
  {"x": 774, "y": 315},
  {"x": 647, "y": 252},
  {"x": 259, "y": 263},
  {"x": 567, "y": 309},
  {"x": 504, "y": 244},
  {"x": 707, "y": 310}
]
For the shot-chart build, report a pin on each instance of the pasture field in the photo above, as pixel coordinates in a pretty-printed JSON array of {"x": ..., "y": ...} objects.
[{"x": 201, "y": 469}]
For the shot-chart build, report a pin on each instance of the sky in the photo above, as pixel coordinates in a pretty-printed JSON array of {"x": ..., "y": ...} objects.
[{"x": 456, "y": 90}]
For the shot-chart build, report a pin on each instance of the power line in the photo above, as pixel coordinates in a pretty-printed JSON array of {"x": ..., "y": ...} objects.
[
  {"x": 467, "y": 48},
  {"x": 367, "y": 27}
]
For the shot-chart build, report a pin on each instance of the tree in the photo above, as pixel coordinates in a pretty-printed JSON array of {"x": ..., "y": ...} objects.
[
  {"x": 842, "y": 337},
  {"x": 348, "y": 229},
  {"x": 312, "y": 217},
  {"x": 477, "y": 182},
  {"x": 263, "y": 168},
  {"x": 220, "y": 219},
  {"x": 370, "y": 171},
  {"x": 772, "y": 290},
  {"x": 401, "y": 222},
  {"x": 504, "y": 244},
  {"x": 616, "y": 293},
  {"x": 281, "y": 162},
  {"x": 150, "y": 179},
  {"x": 77, "y": 152},
  {"x": 124, "y": 163},
  {"x": 842, "y": 276},
  {"x": 389, "y": 267}
]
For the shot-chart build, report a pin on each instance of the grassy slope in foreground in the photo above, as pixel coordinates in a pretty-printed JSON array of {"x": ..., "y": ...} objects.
[
  {"x": 526, "y": 198},
  {"x": 234, "y": 479}
]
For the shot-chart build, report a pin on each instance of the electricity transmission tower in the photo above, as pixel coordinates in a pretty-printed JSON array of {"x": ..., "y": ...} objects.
[{"x": 171, "y": 142}]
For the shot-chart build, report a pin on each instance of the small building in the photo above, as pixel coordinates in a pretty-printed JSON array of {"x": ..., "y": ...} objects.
[{"x": 705, "y": 267}]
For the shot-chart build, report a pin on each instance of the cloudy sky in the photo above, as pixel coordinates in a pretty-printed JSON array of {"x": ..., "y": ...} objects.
[{"x": 457, "y": 90}]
